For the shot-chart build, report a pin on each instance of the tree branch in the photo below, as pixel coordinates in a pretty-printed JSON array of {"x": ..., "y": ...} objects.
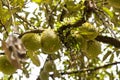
[
  {"x": 109, "y": 40},
  {"x": 76, "y": 24},
  {"x": 90, "y": 69},
  {"x": 31, "y": 31},
  {"x": 67, "y": 26}
]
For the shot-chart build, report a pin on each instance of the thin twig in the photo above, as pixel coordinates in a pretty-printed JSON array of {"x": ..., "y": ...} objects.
[
  {"x": 50, "y": 14},
  {"x": 2, "y": 53},
  {"x": 10, "y": 77},
  {"x": 90, "y": 69},
  {"x": 110, "y": 30},
  {"x": 4, "y": 27},
  {"x": 24, "y": 20},
  {"x": 55, "y": 7},
  {"x": 96, "y": 10}
]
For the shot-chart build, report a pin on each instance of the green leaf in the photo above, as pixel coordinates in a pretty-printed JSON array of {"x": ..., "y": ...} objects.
[
  {"x": 110, "y": 13},
  {"x": 37, "y": 1},
  {"x": 106, "y": 55},
  {"x": 111, "y": 58},
  {"x": 34, "y": 58},
  {"x": 6, "y": 77},
  {"x": 17, "y": 2}
]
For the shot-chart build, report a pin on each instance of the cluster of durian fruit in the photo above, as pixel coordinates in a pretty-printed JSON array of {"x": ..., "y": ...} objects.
[
  {"x": 85, "y": 37},
  {"x": 49, "y": 42}
]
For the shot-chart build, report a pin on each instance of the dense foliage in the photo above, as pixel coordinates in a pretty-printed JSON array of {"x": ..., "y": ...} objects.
[{"x": 79, "y": 37}]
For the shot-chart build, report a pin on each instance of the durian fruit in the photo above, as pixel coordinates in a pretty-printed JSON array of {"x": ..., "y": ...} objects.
[
  {"x": 44, "y": 75},
  {"x": 34, "y": 58},
  {"x": 114, "y": 3},
  {"x": 93, "y": 49},
  {"x": 88, "y": 31},
  {"x": 32, "y": 41},
  {"x": 50, "y": 42},
  {"x": 49, "y": 66},
  {"x": 5, "y": 66}
]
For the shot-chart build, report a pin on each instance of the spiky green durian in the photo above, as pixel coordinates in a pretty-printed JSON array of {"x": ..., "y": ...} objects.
[
  {"x": 50, "y": 42},
  {"x": 32, "y": 41},
  {"x": 44, "y": 75},
  {"x": 88, "y": 31},
  {"x": 93, "y": 49},
  {"x": 49, "y": 66},
  {"x": 5, "y": 66}
]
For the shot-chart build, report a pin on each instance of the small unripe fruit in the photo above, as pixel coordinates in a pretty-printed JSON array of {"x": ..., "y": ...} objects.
[
  {"x": 93, "y": 49},
  {"x": 50, "y": 42},
  {"x": 44, "y": 75},
  {"x": 88, "y": 31},
  {"x": 31, "y": 41},
  {"x": 49, "y": 66},
  {"x": 5, "y": 66}
]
